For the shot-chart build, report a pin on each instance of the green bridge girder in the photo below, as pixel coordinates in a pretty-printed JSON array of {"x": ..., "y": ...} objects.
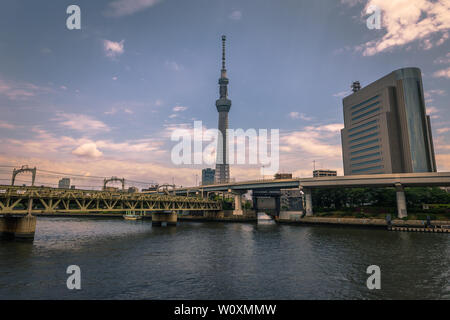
[{"x": 14, "y": 200}]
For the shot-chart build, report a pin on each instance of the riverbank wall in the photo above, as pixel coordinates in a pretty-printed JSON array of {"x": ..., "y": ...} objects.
[{"x": 364, "y": 222}]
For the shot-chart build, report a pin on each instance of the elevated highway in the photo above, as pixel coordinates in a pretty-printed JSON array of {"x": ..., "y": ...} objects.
[
  {"x": 397, "y": 181},
  {"x": 428, "y": 179}
]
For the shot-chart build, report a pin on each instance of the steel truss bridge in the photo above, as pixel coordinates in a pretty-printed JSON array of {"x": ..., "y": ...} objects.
[{"x": 16, "y": 200}]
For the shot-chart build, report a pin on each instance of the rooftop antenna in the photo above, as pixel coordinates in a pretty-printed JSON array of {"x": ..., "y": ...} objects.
[{"x": 356, "y": 86}]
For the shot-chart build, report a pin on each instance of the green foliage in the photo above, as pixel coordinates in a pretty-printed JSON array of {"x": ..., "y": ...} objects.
[
  {"x": 227, "y": 204},
  {"x": 381, "y": 199}
]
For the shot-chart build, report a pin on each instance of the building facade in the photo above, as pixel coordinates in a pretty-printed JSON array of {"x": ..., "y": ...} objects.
[
  {"x": 324, "y": 173},
  {"x": 291, "y": 199},
  {"x": 278, "y": 176},
  {"x": 208, "y": 176},
  {"x": 386, "y": 127},
  {"x": 223, "y": 105},
  {"x": 64, "y": 183}
]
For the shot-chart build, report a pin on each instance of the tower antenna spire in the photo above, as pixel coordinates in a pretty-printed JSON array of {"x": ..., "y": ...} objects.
[{"x": 224, "y": 38}]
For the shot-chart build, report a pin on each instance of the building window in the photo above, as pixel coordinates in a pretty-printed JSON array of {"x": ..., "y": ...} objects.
[
  {"x": 365, "y": 137},
  {"x": 366, "y": 114},
  {"x": 366, "y": 162},
  {"x": 366, "y": 108},
  {"x": 370, "y": 155},
  {"x": 364, "y": 144},
  {"x": 364, "y": 102},
  {"x": 365, "y": 150},
  {"x": 415, "y": 117},
  {"x": 363, "y": 131},
  {"x": 367, "y": 169},
  {"x": 363, "y": 125}
]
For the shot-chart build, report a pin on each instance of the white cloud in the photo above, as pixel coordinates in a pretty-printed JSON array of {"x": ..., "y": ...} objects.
[
  {"x": 6, "y": 125},
  {"x": 444, "y": 73},
  {"x": 314, "y": 140},
  {"x": 120, "y": 8},
  {"x": 88, "y": 150},
  {"x": 297, "y": 115},
  {"x": 432, "y": 110},
  {"x": 179, "y": 108},
  {"x": 406, "y": 21},
  {"x": 430, "y": 93},
  {"x": 174, "y": 66},
  {"x": 236, "y": 15},
  {"x": 114, "y": 78},
  {"x": 80, "y": 122},
  {"x": 113, "y": 49},
  {"x": 443, "y": 130},
  {"x": 342, "y": 94},
  {"x": 20, "y": 90},
  {"x": 443, "y": 60},
  {"x": 351, "y": 3}
]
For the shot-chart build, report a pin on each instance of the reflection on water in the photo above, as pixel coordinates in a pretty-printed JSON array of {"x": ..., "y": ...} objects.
[{"x": 132, "y": 260}]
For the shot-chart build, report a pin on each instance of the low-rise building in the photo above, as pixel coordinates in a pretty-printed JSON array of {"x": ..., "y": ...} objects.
[
  {"x": 64, "y": 183},
  {"x": 324, "y": 173},
  {"x": 278, "y": 176}
]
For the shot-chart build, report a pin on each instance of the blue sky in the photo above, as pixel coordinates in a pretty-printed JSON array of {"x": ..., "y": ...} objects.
[{"x": 103, "y": 100}]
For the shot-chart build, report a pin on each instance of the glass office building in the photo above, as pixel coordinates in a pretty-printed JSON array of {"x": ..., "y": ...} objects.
[
  {"x": 208, "y": 176},
  {"x": 386, "y": 127}
]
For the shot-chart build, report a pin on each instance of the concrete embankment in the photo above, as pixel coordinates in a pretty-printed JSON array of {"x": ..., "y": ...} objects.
[
  {"x": 222, "y": 216},
  {"x": 377, "y": 223}
]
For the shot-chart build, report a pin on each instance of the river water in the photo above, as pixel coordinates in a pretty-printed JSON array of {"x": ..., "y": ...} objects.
[{"x": 132, "y": 260}]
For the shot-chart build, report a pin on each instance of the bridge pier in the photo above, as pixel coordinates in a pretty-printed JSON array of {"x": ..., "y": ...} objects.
[
  {"x": 308, "y": 202},
  {"x": 170, "y": 218},
  {"x": 255, "y": 203},
  {"x": 19, "y": 227},
  {"x": 238, "y": 204},
  {"x": 401, "y": 201}
]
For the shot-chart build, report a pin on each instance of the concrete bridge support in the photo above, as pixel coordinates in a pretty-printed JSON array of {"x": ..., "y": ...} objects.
[
  {"x": 170, "y": 218},
  {"x": 401, "y": 201},
  {"x": 255, "y": 203},
  {"x": 308, "y": 202},
  {"x": 238, "y": 204},
  {"x": 18, "y": 227}
]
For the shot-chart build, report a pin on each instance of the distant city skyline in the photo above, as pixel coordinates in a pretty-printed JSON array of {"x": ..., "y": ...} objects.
[{"x": 103, "y": 100}]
